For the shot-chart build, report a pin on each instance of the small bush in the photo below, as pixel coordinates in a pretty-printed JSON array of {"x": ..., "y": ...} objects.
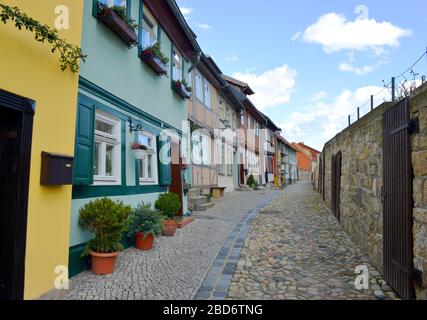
[
  {"x": 168, "y": 204},
  {"x": 107, "y": 220},
  {"x": 146, "y": 220},
  {"x": 251, "y": 181}
]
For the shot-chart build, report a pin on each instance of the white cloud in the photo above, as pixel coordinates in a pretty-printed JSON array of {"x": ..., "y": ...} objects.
[
  {"x": 232, "y": 57},
  {"x": 272, "y": 88},
  {"x": 204, "y": 26},
  {"x": 321, "y": 121},
  {"x": 346, "y": 67},
  {"x": 186, "y": 12},
  {"x": 296, "y": 36},
  {"x": 335, "y": 33},
  {"x": 319, "y": 96}
]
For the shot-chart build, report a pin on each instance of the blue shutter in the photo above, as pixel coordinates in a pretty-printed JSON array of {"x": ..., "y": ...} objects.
[
  {"x": 165, "y": 170},
  {"x": 83, "y": 154}
]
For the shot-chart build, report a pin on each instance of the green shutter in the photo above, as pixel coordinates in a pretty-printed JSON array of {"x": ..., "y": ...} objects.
[
  {"x": 165, "y": 170},
  {"x": 83, "y": 154}
]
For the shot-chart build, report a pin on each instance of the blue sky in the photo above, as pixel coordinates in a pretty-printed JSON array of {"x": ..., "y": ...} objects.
[{"x": 312, "y": 63}]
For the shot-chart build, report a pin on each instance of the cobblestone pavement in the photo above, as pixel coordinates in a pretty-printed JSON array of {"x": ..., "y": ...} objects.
[
  {"x": 177, "y": 266},
  {"x": 296, "y": 250}
]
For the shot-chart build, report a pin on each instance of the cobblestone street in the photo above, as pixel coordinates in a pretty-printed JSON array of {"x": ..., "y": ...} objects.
[
  {"x": 177, "y": 266},
  {"x": 296, "y": 250},
  {"x": 283, "y": 245}
]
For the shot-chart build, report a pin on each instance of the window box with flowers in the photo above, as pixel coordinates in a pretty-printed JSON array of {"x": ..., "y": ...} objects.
[
  {"x": 182, "y": 88},
  {"x": 155, "y": 59},
  {"x": 139, "y": 151},
  {"x": 116, "y": 18}
]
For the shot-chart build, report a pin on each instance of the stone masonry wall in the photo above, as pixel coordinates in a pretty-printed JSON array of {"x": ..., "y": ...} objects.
[
  {"x": 361, "y": 210},
  {"x": 419, "y": 163},
  {"x": 362, "y": 169}
]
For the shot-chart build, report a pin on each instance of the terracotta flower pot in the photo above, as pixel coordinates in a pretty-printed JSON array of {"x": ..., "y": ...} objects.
[
  {"x": 169, "y": 228},
  {"x": 103, "y": 263},
  {"x": 144, "y": 244}
]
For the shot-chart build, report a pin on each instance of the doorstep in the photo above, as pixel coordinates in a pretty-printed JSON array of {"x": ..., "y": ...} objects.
[{"x": 184, "y": 222}]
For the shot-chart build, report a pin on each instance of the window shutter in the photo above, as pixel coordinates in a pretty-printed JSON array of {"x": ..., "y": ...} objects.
[
  {"x": 165, "y": 170},
  {"x": 83, "y": 154}
]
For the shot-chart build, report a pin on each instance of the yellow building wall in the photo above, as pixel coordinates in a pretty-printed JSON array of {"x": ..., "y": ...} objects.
[{"x": 29, "y": 69}]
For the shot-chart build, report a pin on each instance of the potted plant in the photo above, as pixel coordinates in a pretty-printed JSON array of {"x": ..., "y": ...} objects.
[
  {"x": 139, "y": 150},
  {"x": 116, "y": 18},
  {"x": 182, "y": 88},
  {"x": 168, "y": 204},
  {"x": 251, "y": 182},
  {"x": 155, "y": 59},
  {"x": 107, "y": 220},
  {"x": 146, "y": 224}
]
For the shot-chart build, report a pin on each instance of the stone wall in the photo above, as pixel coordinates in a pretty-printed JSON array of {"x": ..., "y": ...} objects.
[
  {"x": 361, "y": 208},
  {"x": 419, "y": 163}
]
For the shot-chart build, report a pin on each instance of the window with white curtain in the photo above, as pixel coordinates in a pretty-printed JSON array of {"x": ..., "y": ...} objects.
[
  {"x": 107, "y": 148},
  {"x": 203, "y": 90},
  {"x": 207, "y": 93},
  {"x": 177, "y": 66},
  {"x": 199, "y": 86},
  {"x": 148, "y": 165},
  {"x": 201, "y": 149},
  {"x": 149, "y": 29}
]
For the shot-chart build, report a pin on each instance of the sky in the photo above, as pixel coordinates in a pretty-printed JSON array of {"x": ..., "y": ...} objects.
[{"x": 312, "y": 63}]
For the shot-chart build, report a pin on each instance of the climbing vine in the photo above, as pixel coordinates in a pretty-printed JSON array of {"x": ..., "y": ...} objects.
[{"x": 70, "y": 54}]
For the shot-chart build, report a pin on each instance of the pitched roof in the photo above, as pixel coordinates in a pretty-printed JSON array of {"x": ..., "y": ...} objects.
[
  {"x": 286, "y": 142},
  {"x": 303, "y": 151},
  {"x": 244, "y": 87}
]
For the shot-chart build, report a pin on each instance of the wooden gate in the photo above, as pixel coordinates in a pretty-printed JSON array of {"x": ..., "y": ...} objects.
[
  {"x": 397, "y": 200},
  {"x": 336, "y": 184}
]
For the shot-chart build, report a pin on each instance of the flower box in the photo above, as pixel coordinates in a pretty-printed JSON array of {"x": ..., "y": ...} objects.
[
  {"x": 153, "y": 62},
  {"x": 139, "y": 154},
  {"x": 110, "y": 18},
  {"x": 181, "y": 90}
]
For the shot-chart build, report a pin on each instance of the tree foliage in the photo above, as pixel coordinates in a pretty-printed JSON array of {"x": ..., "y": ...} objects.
[{"x": 70, "y": 54}]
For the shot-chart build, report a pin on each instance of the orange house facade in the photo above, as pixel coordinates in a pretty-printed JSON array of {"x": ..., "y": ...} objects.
[{"x": 307, "y": 161}]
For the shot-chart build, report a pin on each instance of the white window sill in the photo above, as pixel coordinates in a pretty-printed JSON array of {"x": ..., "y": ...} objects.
[
  {"x": 100, "y": 183},
  {"x": 146, "y": 182}
]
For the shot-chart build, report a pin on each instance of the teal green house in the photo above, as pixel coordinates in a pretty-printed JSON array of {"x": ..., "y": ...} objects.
[{"x": 128, "y": 95}]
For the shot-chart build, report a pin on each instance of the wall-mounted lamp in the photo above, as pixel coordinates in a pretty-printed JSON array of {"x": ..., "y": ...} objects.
[{"x": 135, "y": 127}]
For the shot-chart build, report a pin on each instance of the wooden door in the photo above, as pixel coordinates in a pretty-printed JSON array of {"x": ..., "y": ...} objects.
[
  {"x": 176, "y": 167},
  {"x": 397, "y": 200}
]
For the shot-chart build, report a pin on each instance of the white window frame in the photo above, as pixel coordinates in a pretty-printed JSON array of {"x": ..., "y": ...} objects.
[
  {"x": 203, "y": 90},
  {"x": 177, "y": 60},
  {"x": 108, "y": 139},
  {"x": 199, "y": 85},
  {"x": 152, "y": 150},
  {"x": 151, "y": 22},
  {"x": 111, "y": 3}
]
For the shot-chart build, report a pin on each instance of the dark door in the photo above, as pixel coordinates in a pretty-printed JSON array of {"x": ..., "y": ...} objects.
[
  {"x": 15, "y": 144},
  {"x": 176, "y": 186},
  {"x": 336, "y": 184},
  {"x": 397, "y": 200}
]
